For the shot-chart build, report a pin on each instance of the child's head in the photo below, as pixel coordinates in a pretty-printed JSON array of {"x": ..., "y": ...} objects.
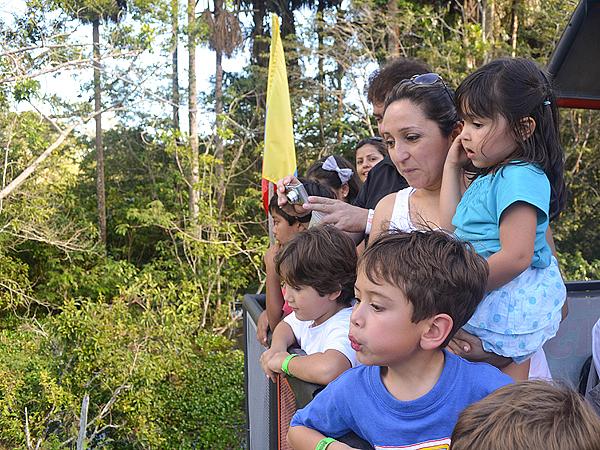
[
  {"x": 285, "y": 226},
  {"x": 338, "y": 174},
  {"x": 415, "y": 291},
  {"x": 319, "y": 270},
  {"x": 512, "y": 100},
  {"x": 527, "y": 415}
]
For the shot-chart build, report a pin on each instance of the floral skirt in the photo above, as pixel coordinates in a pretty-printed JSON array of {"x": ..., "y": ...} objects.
[{"x": 516, "y": 319}]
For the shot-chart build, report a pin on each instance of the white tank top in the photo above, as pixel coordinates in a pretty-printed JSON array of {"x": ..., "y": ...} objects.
[{"x": 400, "y": 218}]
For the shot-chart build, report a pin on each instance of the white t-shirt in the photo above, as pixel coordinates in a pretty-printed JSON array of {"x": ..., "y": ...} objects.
[{"x": 330, "y": 335}]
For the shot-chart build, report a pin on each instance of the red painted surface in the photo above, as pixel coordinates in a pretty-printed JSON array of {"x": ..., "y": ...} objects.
[{"x": 581, "y": 103}]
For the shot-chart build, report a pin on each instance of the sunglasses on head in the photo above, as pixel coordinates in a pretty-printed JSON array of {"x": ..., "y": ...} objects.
[{"x": 428, "y": 79}]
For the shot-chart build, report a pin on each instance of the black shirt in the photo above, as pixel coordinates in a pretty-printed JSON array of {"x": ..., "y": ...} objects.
[{"x": 383, "y": 179}]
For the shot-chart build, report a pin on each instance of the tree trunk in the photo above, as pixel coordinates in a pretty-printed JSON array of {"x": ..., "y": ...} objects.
[
  {"x": 193, "y": 110},
  {"x": 288, "y": 24},
  {"x": 260, "y": 47},
  {"x": 393, "y": 40},
  {"x": 288, "y": 27},
  {"x": 487, "y": 26},
  {"x": 339, "y": 77},
  {"x": 469, "y": 15},
  {"x": 100, "y": 191},
  {"x": 219, "y": 151},
  {"x": 321, "y": 72},
  {"x": 514, "y": 27},
  {"x": 175, "y": 62}
]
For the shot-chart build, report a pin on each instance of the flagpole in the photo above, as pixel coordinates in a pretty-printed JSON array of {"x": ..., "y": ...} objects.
[{"x": 269, "y": 216}]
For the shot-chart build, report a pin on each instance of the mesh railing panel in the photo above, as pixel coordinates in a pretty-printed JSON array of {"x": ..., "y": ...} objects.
[
  {"x": 257, "y": 391},
  {"x": 286, "y": 409}
]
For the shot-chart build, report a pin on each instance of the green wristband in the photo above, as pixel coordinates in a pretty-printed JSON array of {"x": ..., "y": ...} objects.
[
  {"x": 286, "y": 362},
  {"x": 324, "y": 443}
]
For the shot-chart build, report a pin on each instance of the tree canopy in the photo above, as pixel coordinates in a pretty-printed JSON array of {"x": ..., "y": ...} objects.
[{"x": 144, "y": 325}]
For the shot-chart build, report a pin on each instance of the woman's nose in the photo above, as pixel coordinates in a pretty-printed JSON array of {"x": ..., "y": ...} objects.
[{"x": 401, "y": 153}]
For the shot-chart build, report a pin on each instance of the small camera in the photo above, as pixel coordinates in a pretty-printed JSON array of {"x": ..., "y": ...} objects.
[{"x": 296, "y": 194}]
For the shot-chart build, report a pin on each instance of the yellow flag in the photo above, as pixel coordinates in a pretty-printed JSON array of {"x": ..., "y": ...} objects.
[{"x": 279, "y": 158}]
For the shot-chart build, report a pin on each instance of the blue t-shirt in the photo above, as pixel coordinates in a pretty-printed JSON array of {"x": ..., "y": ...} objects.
[
  {"x": 478, "y": 214},
  {"x": 358, "y": 401}
]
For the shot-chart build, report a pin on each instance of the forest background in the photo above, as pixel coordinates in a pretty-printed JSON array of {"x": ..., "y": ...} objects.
[{"x": 124, "y": 251}]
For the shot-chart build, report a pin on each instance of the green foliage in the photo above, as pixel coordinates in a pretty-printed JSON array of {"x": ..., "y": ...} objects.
[
  {"x": 577, "y": 268},
  {"x": 153, "y": 381},
  {"x": 25, "y": 89},
  {"x": 141, "y": 327},
  {"x": 15, "y": 286},
  {"x": 90, "y": 10}
]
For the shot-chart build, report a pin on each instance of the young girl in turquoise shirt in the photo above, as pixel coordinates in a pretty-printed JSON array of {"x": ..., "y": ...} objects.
[{"x": 510, "y": 146}]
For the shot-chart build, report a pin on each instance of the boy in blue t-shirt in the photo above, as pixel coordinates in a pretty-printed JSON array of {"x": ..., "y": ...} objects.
[{"x": 414, "y": 291}]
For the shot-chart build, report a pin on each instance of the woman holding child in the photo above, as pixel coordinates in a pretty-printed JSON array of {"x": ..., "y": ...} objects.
[{"x": 419, "y": 126}]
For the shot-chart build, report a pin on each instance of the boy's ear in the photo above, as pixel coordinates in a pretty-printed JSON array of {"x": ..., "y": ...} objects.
[
  {"x": 301, "y": 226},
  {"x": 439, "y": 327},
  {"x": 527, "y": 127},
  {"x": 333, "y": 296}
]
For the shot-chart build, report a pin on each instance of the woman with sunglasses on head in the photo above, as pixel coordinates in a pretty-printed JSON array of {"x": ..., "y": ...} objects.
[
  {"x": 420, "y": 123},
  {"x": 368, "y": 153}
]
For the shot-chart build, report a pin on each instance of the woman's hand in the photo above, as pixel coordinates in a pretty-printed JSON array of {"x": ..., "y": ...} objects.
[
  {"x": 463, "y": 343},
  {"x": 470, "y": 347},
  {"x": 282, "y": 200},
  {"x": 342, "y": 215}
]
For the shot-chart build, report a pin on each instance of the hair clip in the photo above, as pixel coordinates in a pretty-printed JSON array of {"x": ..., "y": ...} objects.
[
  {"x": 330, "y": 164},
  {"x": 546, "y": 102}
]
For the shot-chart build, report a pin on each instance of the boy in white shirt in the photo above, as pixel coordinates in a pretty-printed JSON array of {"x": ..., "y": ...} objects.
[{"x": 318, "y": 267}]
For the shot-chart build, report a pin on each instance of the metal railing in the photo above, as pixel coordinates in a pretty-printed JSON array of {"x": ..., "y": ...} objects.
[{"x": 269, "y": 407}]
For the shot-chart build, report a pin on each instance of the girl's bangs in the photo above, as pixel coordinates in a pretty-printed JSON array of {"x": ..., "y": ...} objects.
[{"x": 476, "y": 98}]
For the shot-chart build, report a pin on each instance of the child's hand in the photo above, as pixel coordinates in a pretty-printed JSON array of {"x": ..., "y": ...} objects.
[
  {"x": 276, "y": 361},
  {"x": 262, "y": 328},
  {"x": 457, "y": 156},
  {"x": 271, "y": 362},
  {"x": 264, "y": 362},
  {"x": 269, "y": 258}
]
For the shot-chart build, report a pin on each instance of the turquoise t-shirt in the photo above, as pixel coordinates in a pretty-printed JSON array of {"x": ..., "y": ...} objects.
[{"x": 478, "y": 214}]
